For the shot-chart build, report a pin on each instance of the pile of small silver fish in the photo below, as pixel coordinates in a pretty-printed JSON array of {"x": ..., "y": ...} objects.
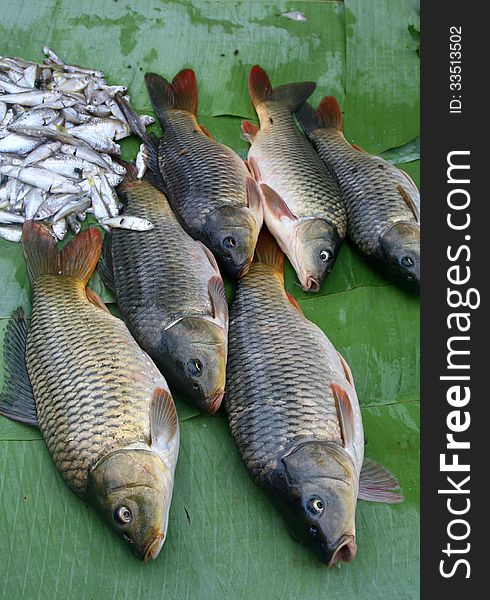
[{"x": 59, "y": 127}]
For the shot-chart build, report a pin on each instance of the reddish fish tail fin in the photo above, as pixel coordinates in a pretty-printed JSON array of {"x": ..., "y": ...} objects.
[
  {"x": 327, "y": 116},
  {"x": 268, "y": 252},
  {"x": 77, "y": 259},
  {"x": 180, "y": 94},
  {"x": 292, "y": 95}
]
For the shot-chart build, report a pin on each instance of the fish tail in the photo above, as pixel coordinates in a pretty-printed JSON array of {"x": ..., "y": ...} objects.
[
  {"x": 292, "y": 95},
  {"x": 180, "y": 94},
  {"x": 327, "y": 116},
  {"x": 77, "y": 259},
  {"x": 268, "y": 252}
]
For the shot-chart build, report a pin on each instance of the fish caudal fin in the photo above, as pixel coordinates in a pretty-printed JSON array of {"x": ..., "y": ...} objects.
[
  {"x": 292, "y": 95},
  {"x": 329, "y": 114},
  {"x": 180, "y": 94},
  {"x": 268, "y": 252},
  {"x": 77, "y": 259}
]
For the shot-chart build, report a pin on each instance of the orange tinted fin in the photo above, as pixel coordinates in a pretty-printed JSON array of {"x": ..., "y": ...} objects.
[
  {"x": 329, "y": 114},
  {"x": 410, "y": 203},
  {"x": 180, "y": 94},
  {"x": 377, "y": 484},
  {"x": 206, "y": 132},
  {"x": 294, "y": 302},
  {"x": 346, "y": 368},
  {"x": 345, "y": 414},
  {"x": 95, "y": 299},
  {"x": 184, "y": 87},
  {"x": 77, "y": 259},
  {"x": 356, "y": 147},
  {"x": 292, "y": 95},
  {"x": 275, "y": 203},
  {"x": 249, "y": 131},
  {"x": 268, "y": 252}
]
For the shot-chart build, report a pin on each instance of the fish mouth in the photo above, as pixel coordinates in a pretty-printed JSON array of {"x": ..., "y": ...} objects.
[
  {"x": 312, "y": 284},
  {"x": 154, "y": 547},
  {"x": 345, "y": 551},
  {"x": 245, "y": 268},
  {"x": 214, "y": 402}
]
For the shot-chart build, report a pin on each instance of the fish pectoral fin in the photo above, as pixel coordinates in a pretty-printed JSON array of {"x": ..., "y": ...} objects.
[
  {"x": 377, "y": 484},
  {"x": 249, "y": 131},
  {"x": 206, "y": 132},
  {"x": 254, "y": 199},
  {"x": 345, "y": 414},
  {"x": 210, "y": 256},
  {"x": 294, "y": 302},
  {"x": 104, "y": 267},
  {"x": 17, "y": 398},
  {"x": 164, "y": 425},
  {"x": 276, "y": 204},
  {"x": 217, "y": 295},
  {"x": 96, "y": 300},
  {"x": 253, "y": 167},
  {"x": 347, "y": 371},
  {"x": 409, "y": 202}
]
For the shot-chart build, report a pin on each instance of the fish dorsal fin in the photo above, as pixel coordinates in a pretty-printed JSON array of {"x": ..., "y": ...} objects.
[
  {"x": 17, "y": 398},
  {"x": 359, "y": 149},
  {"x": 164, "y": 425},
  {"x": 268, "y": 252},
  {"x": 210, "y": 256},
  {"x": 409, "y": 202},
  {"x": 294, "y": 302},
  {"x": 275, "y": 203},
  {"x": 217, "y": 295},
  {"x": 346, "y": 368},
  {"x": 206, "y": 132},
  {"x": 254, "y": 199},
  {"x": 96, "y": 300},
  {"x": 249, "y": 131},
  {"x": 377, "y": 484},
  {"x": 345, "y": 414}
]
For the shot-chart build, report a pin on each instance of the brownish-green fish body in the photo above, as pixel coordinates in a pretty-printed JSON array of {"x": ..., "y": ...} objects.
[
  {"x": 210, "y": 188},
  {"x": 170, "y": 294},
  {"x": 103, "y": 407},
  {"x": 382, "y": 201},
  {"x": 294, "y": 413},
  {"x": 303, "y": 208}
]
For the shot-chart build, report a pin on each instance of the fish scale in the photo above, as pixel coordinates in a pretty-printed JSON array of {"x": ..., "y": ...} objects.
[
  {"x": 87, "y": 405},
  {"x": 278, "y": 394},
  {"x": 201, "y": 174},
  {"x": 369, "y": 188},
  {"x": 149, "y": 284},
  {"x": 289, "y": 164}
]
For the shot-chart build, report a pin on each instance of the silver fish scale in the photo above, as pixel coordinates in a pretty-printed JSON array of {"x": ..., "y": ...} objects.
[
  {"x": 278, "y": 390},
  {"x": 91, "y": 382},
  {"x": 201, "y": 174},
  {"x": 289, "y": 164},
  {"x": 161, "y": 275},
  {"x": 369, "y": 188}
]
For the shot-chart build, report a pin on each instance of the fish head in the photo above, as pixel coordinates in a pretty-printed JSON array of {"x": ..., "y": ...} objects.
[
  {"x": 132, "y": 489},
  {"x": 231, "y": 233},
  {"x": 400, "y": 246},
  {"x": 314, "y": 251},
  {"x": 193, "y": 352},
  {"x": 319, "y": 490}
]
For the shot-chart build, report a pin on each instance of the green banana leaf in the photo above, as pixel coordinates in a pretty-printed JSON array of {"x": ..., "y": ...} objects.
[{"x": 226, "y": 539}]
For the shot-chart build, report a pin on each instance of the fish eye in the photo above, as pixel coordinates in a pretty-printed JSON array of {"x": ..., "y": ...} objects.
[
  {"x": 123, "y": 515},
  {"x": 229, "y": 243},
  {"x": 326, "y": 255},
  {"x": 406, "y": 262},
  {"x": 316, "y": 505},
  {"x": 195, "y": 367}
]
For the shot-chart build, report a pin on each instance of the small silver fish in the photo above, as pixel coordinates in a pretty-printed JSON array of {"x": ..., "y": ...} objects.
[
  {"x": 9, "y": 218},
  {"x": 12, "y": 234},
  {"x": 41, "y": 178},
  {"x": 128, "y": 222}
]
